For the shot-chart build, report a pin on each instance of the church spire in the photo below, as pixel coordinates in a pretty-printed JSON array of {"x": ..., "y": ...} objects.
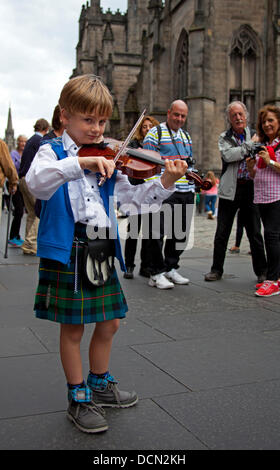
[{"x": 9, "y": 132}]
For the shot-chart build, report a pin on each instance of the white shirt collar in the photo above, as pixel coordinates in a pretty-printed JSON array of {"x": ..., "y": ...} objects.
[{"x": 69, "y": 144}]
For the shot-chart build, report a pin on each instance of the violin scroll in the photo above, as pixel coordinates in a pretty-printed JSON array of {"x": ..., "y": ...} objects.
[{"x": 205, "y": 185}]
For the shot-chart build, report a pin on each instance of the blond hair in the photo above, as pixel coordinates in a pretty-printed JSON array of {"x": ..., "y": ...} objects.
[{"x": 86, "y": 94}]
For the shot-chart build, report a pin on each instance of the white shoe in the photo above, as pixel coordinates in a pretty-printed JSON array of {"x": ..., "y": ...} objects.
[
  {"x": 176, "y": 278},
  {"x": 160, "y": 281}
]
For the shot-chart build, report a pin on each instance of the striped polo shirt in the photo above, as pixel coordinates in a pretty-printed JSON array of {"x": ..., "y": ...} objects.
[{"x": 168, "y": 149}]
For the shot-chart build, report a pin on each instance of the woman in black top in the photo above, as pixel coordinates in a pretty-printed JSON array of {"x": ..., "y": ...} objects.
[{"x": 131, "y": 242}]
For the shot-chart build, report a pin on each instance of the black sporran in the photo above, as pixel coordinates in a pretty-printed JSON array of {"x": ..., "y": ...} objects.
[{"x": 98, "y": 261}]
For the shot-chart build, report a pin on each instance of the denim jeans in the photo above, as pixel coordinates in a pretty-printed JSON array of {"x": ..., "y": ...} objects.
[{"x": 210, "y": 201}]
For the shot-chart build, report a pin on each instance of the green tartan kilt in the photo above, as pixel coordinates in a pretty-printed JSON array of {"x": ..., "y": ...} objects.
[{"x": 55, "y": 299}]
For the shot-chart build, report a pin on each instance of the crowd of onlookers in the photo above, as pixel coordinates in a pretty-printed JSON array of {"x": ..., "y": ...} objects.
[
  {"x": 249, "y": 186},
  {"x": 13, "y": 169}
]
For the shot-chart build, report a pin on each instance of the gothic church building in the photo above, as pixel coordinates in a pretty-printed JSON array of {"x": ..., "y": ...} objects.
[{"x": 206, "y": 52}]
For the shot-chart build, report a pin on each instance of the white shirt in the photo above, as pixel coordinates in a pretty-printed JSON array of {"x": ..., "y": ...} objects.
[{"x": 46, "y": 174}]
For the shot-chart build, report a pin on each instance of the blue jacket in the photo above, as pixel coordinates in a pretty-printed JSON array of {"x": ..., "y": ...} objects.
[{"x": 57, "y": 225}]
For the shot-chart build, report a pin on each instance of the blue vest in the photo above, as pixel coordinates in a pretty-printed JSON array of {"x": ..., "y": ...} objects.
[{"x": 57, "y": 225}]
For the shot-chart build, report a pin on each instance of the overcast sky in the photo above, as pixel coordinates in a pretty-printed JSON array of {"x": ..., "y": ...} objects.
[{"x": 37, "y": 55}]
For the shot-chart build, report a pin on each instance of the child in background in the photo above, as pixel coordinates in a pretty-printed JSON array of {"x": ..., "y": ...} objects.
[
  {"x": 210, "y": 196},
  {"x": 74, "y": 206}
]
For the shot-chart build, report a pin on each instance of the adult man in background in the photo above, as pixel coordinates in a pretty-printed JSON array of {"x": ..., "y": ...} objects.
[
  {"x": 172, "y": 142},
  {"x": 7, "y": 170},
  {"x": 41, "y": 127},
  {"x": 236, "y": 191}
]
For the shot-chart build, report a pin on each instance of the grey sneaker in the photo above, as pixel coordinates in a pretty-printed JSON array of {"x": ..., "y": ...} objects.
[
  {"x": 112, "y": 397},
  {"x": 87, "y": 417}
]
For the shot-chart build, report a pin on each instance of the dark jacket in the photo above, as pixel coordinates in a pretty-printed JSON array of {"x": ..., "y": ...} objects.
[{"x": 29, "y": 152}]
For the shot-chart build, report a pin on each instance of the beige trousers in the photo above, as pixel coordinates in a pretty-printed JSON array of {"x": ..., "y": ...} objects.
[{"x": 30, "y": 243}]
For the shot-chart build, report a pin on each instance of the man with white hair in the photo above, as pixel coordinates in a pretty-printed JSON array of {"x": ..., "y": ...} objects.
[{"x": 236, "y": 191}]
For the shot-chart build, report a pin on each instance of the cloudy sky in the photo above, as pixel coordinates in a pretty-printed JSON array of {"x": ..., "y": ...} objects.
[{"x": 37, "y": 55}]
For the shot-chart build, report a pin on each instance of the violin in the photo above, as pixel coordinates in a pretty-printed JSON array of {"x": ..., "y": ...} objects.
[{"x": 135, "y": 163}]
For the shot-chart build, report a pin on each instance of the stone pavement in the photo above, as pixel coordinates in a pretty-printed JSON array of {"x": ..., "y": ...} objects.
[{"x": 203, "y": 358}]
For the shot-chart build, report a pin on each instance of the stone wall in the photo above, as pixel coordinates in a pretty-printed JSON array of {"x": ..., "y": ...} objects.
[{"x": 143, "y": 48}]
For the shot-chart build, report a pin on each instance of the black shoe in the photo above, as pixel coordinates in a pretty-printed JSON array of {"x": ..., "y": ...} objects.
[
  {"x": 261, "y": 278},
  {"x": 129, "y": 273},
  {"x": 145, "y": 272},
  {"x": 212, "y": 276}
]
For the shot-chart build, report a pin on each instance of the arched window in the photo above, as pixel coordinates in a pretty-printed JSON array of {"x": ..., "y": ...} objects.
[
  {"x": 243, "y": 69},
  {"x": 181, "y": 67}
]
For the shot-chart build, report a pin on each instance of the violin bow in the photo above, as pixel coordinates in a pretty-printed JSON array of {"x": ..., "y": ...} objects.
[{"x": 124, "y": 145}]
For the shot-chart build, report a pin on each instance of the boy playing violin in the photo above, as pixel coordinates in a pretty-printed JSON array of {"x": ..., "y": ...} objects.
[{"x": 74, "y": 207}]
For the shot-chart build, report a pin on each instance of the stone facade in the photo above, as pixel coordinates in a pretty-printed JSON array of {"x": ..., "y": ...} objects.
[{"x": 206, "y": 52}]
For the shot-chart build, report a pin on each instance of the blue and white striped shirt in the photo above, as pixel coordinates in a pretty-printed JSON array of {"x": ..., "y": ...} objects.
[{"x": 168, "y": 149}]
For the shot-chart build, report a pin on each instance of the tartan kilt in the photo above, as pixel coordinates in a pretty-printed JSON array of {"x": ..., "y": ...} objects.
[{"x": 55, "y": 299}]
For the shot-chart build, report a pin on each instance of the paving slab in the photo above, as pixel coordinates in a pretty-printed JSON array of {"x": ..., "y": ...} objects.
[
  {"x": 135, "y": 371},
  {"x": 132, "y": 331},
  {"x": 19, "y": 341},
  {"x": 219, "y": 361},
  {"x": 33, "y": 384},
  {"x": 146, "y": 426},
  {"x": 212, "y": 323},
  {"x": 203, "y": 358},
  {"x": 243, "y": 417}
]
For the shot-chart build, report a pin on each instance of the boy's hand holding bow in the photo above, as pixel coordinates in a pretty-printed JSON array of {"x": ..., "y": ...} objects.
[
  {"x": 174, "y": 170},
  {"x": 100, "y": 165}
]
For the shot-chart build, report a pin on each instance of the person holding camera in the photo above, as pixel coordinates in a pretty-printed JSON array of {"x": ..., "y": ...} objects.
[
  {"x": 236, "y": 191},
  {"x": 265, "y": 170},
  {"x": 172, "y": 142}
]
